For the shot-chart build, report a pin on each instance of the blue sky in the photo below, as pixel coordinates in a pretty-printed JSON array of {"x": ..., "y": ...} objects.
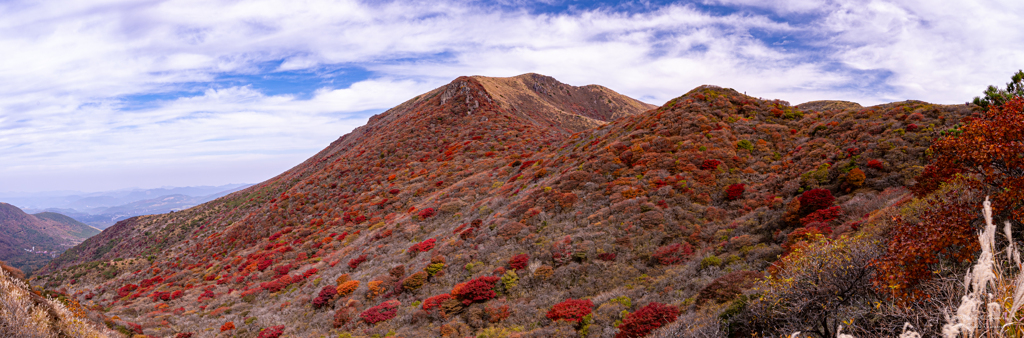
[{"x": 101, "y": 95}]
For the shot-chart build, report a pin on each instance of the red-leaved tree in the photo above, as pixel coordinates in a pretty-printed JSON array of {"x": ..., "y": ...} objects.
[{"x": 980, "y": 158}]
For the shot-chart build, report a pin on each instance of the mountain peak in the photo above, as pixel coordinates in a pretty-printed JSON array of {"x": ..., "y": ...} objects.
[{"x": 547, "y": 102}]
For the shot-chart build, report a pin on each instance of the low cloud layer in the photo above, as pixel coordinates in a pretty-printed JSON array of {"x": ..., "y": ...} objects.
[{"x": 119, "y": 94}]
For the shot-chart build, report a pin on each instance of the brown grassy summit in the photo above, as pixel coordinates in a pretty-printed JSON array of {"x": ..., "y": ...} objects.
[
  {"x": 549, "y": 102},
  {"x": 474, "y": 209},
  {"x": 823, "y": 105}
]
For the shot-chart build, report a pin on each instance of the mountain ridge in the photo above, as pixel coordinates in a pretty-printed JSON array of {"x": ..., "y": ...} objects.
[{"x": 650, "y": 207}]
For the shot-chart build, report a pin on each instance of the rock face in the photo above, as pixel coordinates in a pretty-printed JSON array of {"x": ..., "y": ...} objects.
[
  {"x": 28, "y": 242},
  {"x": 477, "y": 207}
]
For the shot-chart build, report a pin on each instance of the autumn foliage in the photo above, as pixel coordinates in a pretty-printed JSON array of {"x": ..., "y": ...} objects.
[
  {"x": 476, "y": 290},
  {"x": 672, "y": 254},
  {"x": 382, "y": 312},
  {"x": 518, "y": 262},
  {"x": 271, "y": 332},
  {"x": 572, "y": 310},
  {"x": 734, "y": 191},
  {"x": 815, "y": 199},
  {"x": 326, "y": 295},
  {"x": 981, "y": 158},
  {"x": 646, "y": 319}
]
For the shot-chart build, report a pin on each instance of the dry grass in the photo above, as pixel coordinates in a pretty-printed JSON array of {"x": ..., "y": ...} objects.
[{"x": 25, "y": 314}]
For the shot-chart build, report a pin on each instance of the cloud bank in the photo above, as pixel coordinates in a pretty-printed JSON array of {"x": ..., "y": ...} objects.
[{"x": 113, "y": 94}]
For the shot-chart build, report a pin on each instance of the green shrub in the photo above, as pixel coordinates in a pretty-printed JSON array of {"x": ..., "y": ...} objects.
[{"x": 710, "y": 261}]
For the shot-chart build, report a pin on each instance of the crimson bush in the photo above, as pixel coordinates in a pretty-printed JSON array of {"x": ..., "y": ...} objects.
[
  {"x": 426, "y": 213},
  {"x": 423, "y": 246},
  {"x": 435, "y": 301},
  {"x": 815, "y": 199},
  {"x": 672, "y": 254},
  {"x": 475, "y": 290},
  {"x": 647, "y": 319},
  {"x": 271, "y": 332},
  {"x": 572, "y": 310},
  {"x": 354, "y": 263},
  {"x": 380, "y": 313},
  {"x": 326, "y": 295},
  {"x": 734, "y": 191},
  {"x": 518, "y": 262},
  {"x": 710, "y": 164}
]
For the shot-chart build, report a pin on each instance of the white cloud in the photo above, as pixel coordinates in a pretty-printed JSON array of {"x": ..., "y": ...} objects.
[{"x": 62, "y": 86}]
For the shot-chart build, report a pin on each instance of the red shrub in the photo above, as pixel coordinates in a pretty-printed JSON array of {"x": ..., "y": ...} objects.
[
  {"x": 734, "y": 191},
  {"x": 277, "y": 284},
  {"x": 710, "y": 164},
  {"x": 815, "y": 199},
  {"x": 227, "y": 326},
  {"x": 126, "y": 290},
  {"x": 823, "y": 216},
  {"x": 876, "y": 164},
  {"x": 426, "y": 213},
  {"x": 184, "y": 335},
  {"x": 208, "y": 294},
  {"x": 607, "y": 256},
  {"x": 672, "y": 254},
  {"x": 283, "y": 269},
  {"x": 325, "y": 297},
  {"x": 423, "y": 246},
  {"x": 912, "y": 127},
  {"x": 647, "y": 319},
  {"x": 475, "y": 290},
  {"x": 380, "y": 313},
  {"x": 354, "y": 263},
  {"x": 572, "y": 310},
  {"x": 271, "y": 332},
  {"x": 466, "y": 234},
  {"x": 134, "y": 327},
  {"x": 394, "y": 191},
  {"x": 518, "y": 262},
  {"x": 264, "y": 264},
  {"x": 177, "y": 294},
  {"x": 435, "y": 301}
]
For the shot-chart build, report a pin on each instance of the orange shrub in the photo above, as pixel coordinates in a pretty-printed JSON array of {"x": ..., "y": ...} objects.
[{"x": 347, "y": 288}]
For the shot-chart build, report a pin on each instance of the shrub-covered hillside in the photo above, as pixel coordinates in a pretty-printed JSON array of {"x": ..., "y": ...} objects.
[
  {"x": 483, "y": 208},
  {"x": 28, "y": 242}
]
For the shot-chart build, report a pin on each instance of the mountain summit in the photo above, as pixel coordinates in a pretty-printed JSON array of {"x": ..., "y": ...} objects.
[{"x": 512, "y": 207}]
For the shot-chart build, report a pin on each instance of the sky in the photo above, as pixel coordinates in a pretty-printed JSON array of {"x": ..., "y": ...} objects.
[{"x": 112, "y": 94}]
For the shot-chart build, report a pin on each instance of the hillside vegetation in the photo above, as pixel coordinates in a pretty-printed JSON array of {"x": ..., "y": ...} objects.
[
  {"x": 28, "y": 242},
  {"x": 523, "y": 207},
  {"x": 26, "y": 313}
]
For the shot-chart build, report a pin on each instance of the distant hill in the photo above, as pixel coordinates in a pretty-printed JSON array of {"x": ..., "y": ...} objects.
[
  {"x": 103, "y": 209},
  {"x": 28, "y": 241},
  {"x": 475, "y": 208}
]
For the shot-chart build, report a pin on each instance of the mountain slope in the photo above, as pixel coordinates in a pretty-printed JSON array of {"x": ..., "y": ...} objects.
[
  {"x": 46, "y": 233},
  {"x": 438, "y": 195}
]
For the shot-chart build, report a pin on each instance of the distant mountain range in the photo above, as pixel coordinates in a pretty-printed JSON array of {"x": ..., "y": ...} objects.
[
  {"x": 28, "y": 241},
  {"x": 103, "y": 209}
]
